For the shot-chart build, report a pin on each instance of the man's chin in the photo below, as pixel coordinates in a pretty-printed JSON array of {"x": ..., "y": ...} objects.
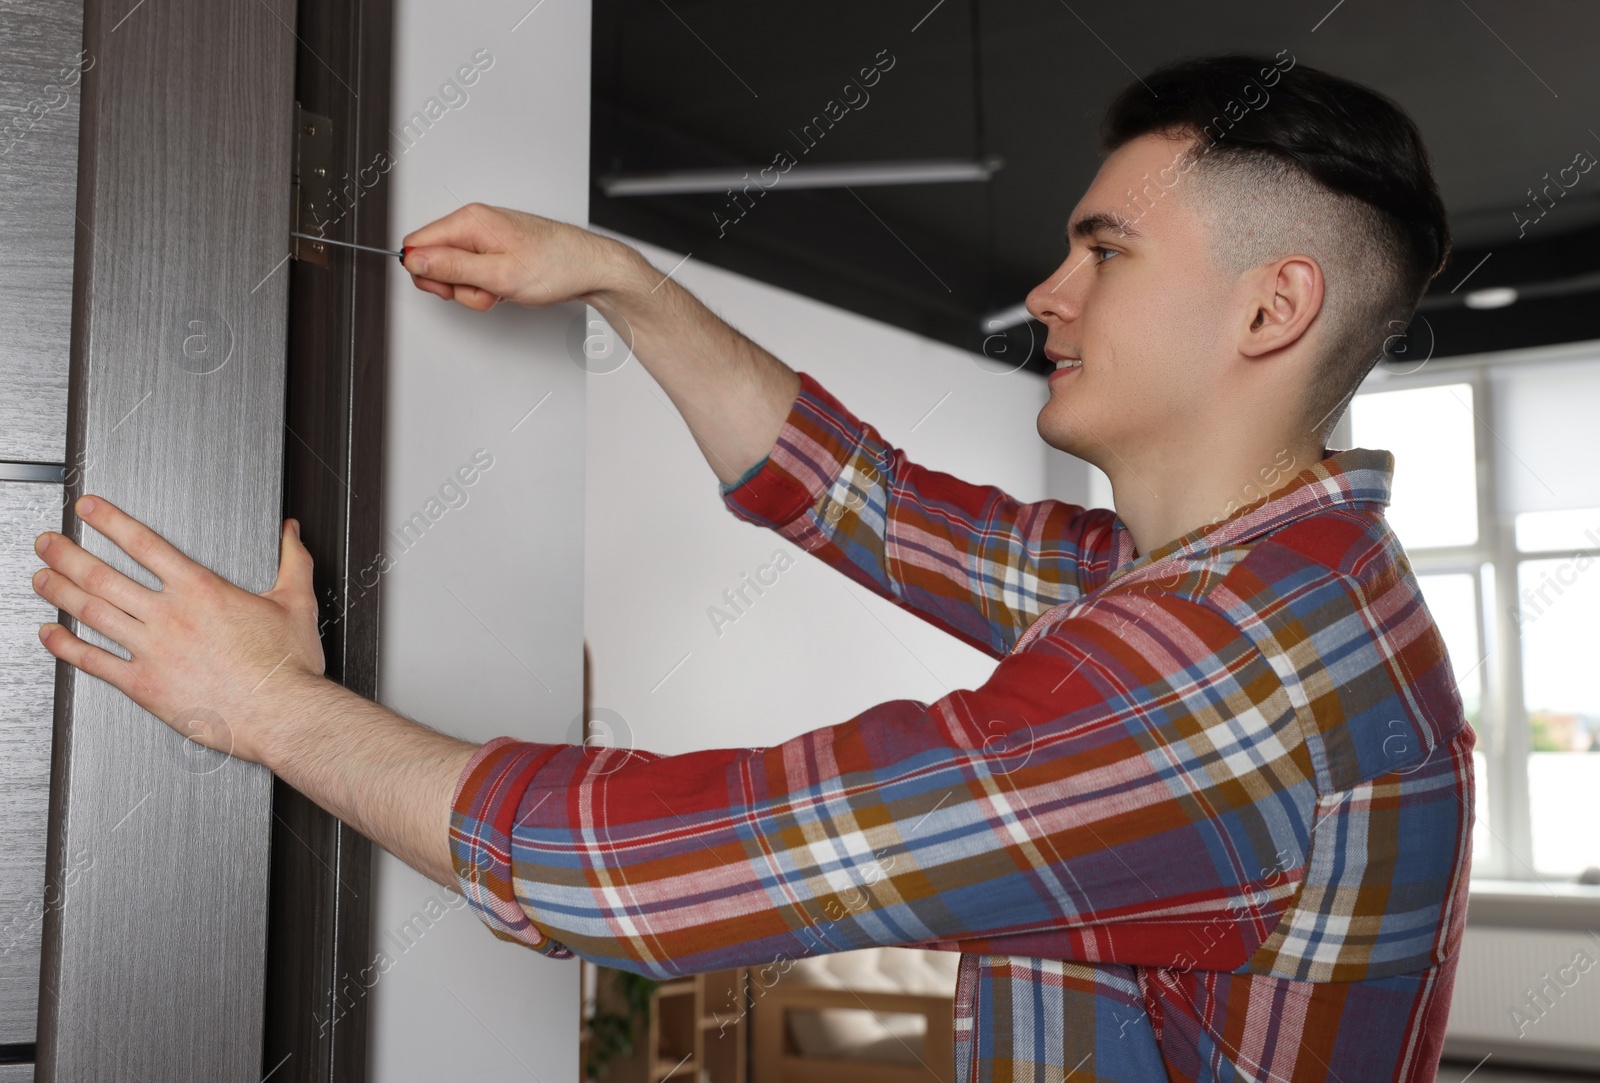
[{"x": 1063, "y": 429}]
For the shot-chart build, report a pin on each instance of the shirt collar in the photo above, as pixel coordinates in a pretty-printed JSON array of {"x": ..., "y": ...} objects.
[{"x": 1356, "y": 477}]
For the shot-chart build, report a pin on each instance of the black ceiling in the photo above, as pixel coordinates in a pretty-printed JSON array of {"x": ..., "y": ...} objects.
[{"x": 1504, "y": 92}]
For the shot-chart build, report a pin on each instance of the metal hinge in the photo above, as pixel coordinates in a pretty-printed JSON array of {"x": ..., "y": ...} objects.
[{"x": 311, "y": 199}]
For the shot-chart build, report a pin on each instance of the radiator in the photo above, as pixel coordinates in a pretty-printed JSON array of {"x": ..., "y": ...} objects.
[{"x": 1527, "y": 995}]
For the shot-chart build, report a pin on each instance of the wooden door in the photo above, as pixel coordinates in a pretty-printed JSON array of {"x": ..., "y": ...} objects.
[
  {"x": 167, "y": 912},
  {"x": 153, "y": 965},
  {"x": 39, "y": 106}
]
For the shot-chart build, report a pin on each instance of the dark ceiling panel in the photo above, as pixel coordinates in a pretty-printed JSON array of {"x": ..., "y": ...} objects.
[{"x": 1505, "y": 92}]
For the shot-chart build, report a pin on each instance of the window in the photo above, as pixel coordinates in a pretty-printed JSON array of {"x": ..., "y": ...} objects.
[
  {"x": 1559, "y": 600},
  {"x": 1496, "y": 499},
  {"x": 1452, "y": 598},
  {"x": 1435, "y": 498}
]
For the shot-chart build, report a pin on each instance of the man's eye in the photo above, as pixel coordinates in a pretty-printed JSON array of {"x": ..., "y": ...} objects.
[{"x": 1102, "y": 251}]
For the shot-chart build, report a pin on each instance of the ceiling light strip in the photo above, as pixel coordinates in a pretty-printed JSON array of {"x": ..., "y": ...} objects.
[{"x": 925, "y": 171}]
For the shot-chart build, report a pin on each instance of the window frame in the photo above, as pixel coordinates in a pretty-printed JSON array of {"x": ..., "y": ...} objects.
[{"x": 1493, "y": 561}]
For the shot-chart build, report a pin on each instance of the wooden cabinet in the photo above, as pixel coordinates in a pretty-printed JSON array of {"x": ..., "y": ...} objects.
[
  {"x": 777, "y": 1060},
  {"x": 699, "y": 1027}
]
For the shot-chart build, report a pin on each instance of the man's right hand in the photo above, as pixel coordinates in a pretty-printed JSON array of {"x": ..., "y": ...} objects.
[
  {"x": 480, "y": 255},
  {"x": 733, "y": 395}
]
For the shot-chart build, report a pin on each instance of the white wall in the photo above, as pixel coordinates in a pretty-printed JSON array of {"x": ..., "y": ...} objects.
[
  {"x": 483, "y": 615},
  {"x": 813, "y": 649}
]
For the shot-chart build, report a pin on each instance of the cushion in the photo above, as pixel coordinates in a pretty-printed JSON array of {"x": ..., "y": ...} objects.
[{"x": 860, "y": 1033}]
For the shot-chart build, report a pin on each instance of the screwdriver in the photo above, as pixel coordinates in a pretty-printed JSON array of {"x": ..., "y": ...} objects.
[{"x": 400, "y": 255}]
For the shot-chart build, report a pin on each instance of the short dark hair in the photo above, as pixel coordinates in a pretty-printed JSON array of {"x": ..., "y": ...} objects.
[{"x": 1296, "y": 130}]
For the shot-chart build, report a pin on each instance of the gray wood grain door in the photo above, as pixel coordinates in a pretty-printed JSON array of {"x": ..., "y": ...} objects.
[
  {"x": 143, "y": 312},
  {"x": 26, "y": 693},
  {"x": 39, "y": 84},
  {"x": 42, "y": 43},
  {"x": 144, "y": 306}
]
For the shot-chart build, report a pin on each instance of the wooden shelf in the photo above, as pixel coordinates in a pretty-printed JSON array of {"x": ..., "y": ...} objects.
[
  {"x": 688, "y": 1040},
  {"x": 669, "y": 1070},
  {"x": 697, "y": 1030}
]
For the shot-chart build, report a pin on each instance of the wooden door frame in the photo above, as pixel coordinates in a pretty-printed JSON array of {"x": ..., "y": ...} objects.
[{"x": 319, "y": 958}]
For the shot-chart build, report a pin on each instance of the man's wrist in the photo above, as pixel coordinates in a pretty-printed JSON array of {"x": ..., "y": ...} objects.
[
  {"x": 286, "y": 705},
  {"x": 626, "y": 279}
]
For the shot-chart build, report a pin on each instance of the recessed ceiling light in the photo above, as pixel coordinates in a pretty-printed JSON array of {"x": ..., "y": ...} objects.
[
  {"x": 1005, "y": 318},
  {"x": 1496, "y": 297}
]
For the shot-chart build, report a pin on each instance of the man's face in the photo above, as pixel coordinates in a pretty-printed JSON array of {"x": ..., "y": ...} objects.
[{"x": 1140, "y": 302}]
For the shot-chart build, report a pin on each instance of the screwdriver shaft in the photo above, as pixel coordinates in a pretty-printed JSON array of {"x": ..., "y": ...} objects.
[{"x": 400, "y": 255}]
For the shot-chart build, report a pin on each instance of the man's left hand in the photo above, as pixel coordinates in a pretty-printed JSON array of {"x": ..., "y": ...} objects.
[{"x": 206, "y": 655}]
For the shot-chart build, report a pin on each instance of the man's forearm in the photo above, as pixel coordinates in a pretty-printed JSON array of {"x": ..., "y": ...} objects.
[
  {"x": 733, "y": 394},
  {"x": 386, "y": 776}
]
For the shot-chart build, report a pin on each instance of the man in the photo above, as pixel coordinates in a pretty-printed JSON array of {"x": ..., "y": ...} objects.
[{"x": 1209, "y": 819}]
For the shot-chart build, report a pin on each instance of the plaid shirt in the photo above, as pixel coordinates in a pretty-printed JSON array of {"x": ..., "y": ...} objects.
[{"x": 1208, "y": 819}]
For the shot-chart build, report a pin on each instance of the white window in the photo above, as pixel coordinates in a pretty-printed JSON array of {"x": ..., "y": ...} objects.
[{"x": 1496, "y": 499}]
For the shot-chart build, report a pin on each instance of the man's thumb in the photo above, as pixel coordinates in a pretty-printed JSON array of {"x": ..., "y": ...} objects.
[
  {"x": 294, "y": 562},
  {"x": 459, "y": 267}
]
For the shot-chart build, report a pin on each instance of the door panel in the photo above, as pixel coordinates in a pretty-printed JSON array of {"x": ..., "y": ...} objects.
[
  {"x": 143, "y": 306},
  {"x": 27, "y": 680},
  {"x": 39, "y": 107},
  {"x": 153, "y": 968},
  {"x": 39, "y": 83}
]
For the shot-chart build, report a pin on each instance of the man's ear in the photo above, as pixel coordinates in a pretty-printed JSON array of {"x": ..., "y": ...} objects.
[{"x": 1284, "y": 297}]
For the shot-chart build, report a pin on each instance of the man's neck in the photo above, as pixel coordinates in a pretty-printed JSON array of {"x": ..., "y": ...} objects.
[{"x": 1166, "y": 492}]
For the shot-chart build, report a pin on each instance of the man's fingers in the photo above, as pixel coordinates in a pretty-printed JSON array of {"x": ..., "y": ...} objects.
[
  {"x": 103, "y": 616},
  {"x": 468, "y": 296},
  {"x": 169, "y": 563},
  {"x": 471, "y": 225},
  {"x": 457, "y": 266},
  {"x": 438, "y": 289},
  {"x": 113, "y": 669},
  {"x": 466, "y": 227},
  {"x": 493, "y": 254},
  {"x": 476, "y": 299}
]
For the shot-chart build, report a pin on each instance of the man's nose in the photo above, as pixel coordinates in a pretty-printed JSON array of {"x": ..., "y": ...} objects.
[{"x": 1056, "y": 297}]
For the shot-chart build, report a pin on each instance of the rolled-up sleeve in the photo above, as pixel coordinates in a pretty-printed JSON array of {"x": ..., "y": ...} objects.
[{"x": 482, "y": 822}]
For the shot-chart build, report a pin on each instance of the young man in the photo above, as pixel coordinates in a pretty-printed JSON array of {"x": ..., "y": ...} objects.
[{"x": 1209, "y": 819}]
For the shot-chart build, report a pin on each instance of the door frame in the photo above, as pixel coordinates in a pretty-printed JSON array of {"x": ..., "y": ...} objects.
[{"x": 319, "y": 955}]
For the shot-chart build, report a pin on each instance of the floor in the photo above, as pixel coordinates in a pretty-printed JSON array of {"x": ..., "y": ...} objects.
[{"x": 1484, "y": 1072}]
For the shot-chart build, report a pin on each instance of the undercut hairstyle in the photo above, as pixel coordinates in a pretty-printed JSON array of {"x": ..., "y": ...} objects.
[{"x": 1292, "y": 160}]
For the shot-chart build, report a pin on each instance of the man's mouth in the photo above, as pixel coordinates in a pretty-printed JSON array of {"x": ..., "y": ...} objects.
[
  {"x": 1062, "y": 361},
  {"x": 1063, "y": 370}
]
